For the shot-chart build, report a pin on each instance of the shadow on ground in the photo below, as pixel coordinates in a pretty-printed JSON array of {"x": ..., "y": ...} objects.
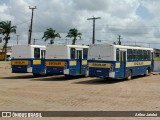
[
  {"x": 107, "y": 81},
  {"x": 18, "y": 77},
  {"x": 57, "y": 78}
]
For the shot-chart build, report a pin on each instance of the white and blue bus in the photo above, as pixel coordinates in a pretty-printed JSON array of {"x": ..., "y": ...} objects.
[
  {"x": 28, "y": 58},
  {"x": 66, "y": 60},
  {"x": 117, "y": 61}
]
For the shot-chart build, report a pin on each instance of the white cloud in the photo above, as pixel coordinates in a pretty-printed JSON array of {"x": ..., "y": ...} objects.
[
  {"x": 4, "y": 13},
  {"x": 117, "y": 17}
]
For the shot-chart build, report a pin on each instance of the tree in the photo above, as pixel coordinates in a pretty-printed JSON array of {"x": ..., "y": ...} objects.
[
  {"x": 114, "y": 43},
  {"x": 5, "y": 29},
  {"x": 73, "y": 33},
  {"x": 50, "y": 34}
]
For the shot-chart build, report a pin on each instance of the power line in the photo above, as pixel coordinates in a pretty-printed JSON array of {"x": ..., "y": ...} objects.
[
  {"x": 22, "y": 22},
  {"x": 130, "y": 41},
  {"x": 126, "y": 25},
  {"x": 34, "y": 41}
]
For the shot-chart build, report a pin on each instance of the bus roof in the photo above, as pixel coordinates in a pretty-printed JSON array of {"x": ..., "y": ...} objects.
[
  {"x": 74, "y": 46},
  {"x": 39, "y": 46},
  {"x": 124, "y": 47}
]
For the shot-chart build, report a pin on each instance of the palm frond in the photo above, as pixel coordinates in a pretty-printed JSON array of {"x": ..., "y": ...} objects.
[
  {"x": 50, "y": 34},
  {"x": 73, "y": 33}
]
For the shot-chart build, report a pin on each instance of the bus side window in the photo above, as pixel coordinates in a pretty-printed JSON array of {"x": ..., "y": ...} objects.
[
  {"x": 129, "y": 54},
  {"x": 134, "y": 54},
  {"x": 140, "y": 55},
  {"x": 85, "y": 53},
  {"x": 36, "y": 52},
  {"x": 72, "y": 53},
  {"x": 145, "y": 54},
  {"x": 117, "y": 54}
]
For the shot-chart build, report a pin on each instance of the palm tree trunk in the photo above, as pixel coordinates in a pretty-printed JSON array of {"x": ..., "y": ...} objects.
[
  {"x": 52, "y": 41},
  {"x": 5, "y": 51},
  {"x": 5, "y": 47},
  {"x": 74, "y": 41}
]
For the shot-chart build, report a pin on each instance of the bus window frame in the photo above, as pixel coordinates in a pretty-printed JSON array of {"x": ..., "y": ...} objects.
[
  {"x": 117, "y": 54},
  {"x": 43, "y": 52},
  {"x": 37, "y": 55},
  {"x": 85, "y": 53},
  {"x": 72, "y": 53}
]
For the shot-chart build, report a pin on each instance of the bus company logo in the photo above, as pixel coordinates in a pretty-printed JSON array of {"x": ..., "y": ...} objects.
[
  {"x": 138, "y": 63},
  {"x": 19, "y": 62},
  {"x": 99, "y": 64},
  {"x": 6, "y": 114},
  {"x": 55, "y": 63}
]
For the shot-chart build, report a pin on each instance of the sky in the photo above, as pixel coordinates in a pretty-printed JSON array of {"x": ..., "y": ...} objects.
[{"x": 137, "y": 21}]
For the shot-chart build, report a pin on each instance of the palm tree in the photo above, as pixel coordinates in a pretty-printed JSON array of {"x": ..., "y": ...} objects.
[
  {"x": 5, "y": 29},
  {"x": 50, "y": 34},
  {"x": 73, "y": 33}
]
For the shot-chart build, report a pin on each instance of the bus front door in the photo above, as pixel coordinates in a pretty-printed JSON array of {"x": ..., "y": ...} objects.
[
  {"x": 79, "y": 62},
  {"x": 122, "y": 64}
]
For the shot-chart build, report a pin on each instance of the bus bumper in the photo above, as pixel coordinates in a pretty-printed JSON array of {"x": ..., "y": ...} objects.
[
  {"x": 55, "y": 70},
  {"x": 112, "y": 74},
  {"x": 21, "y": 69}
]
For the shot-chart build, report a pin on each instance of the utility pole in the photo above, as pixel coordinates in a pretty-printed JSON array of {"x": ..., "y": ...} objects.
[
  {"x": 34, "y": 41},
  {"x": 17, "y": 39},
  {"x": 94, "y": 19},
  {"x": 0, "y": 39},
  {"x": 119, "y": 39},
  {"x": 30, "y": 29}
]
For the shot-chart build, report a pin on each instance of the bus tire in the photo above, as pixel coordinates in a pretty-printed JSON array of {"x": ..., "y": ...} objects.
[
  {"x": 129, "y": 75},
  {"x": 36, "y": 75},
  {"x": 67, "y": 76}
]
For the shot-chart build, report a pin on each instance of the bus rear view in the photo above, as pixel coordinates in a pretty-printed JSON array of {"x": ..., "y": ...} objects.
[
  {"x": 117, "y": 61},
  {"x": 101, "y": 60}
]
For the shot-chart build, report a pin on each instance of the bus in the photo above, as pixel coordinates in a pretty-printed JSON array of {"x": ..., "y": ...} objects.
[
  {"x": 117, "y": 61},
  {"x": 28, "y": 59},
  {"x": 68, "y": 60}
]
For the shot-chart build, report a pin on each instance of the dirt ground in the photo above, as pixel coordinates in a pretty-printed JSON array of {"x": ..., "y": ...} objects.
[{"x": 23, "y": 92}]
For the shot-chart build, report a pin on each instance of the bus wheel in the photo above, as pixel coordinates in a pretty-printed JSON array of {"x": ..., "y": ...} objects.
[
  {"x": 67, "y": 76},
  {"x": 129, "y": 75},
  {"x": 36, "y": 75}
]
